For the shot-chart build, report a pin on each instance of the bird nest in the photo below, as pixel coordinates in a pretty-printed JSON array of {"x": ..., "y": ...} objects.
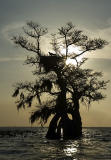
[{"x": 49, "y": 63}]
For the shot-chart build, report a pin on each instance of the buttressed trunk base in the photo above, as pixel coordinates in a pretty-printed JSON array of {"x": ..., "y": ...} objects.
[{"x": 71, "y": 128}]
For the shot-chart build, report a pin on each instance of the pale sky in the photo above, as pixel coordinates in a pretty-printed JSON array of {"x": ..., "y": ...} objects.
[{"x": 91, "y": 16}]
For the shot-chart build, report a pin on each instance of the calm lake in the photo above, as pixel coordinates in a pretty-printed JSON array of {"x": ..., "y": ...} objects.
[{"x": 21, "y": 143}]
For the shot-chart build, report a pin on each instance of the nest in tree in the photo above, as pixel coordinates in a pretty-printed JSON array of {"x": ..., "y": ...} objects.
[{"x": 49, "y": 62}]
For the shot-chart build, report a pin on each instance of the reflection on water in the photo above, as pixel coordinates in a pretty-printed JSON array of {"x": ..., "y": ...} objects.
[
  {"x": 31, "y": 144},
  {"x": 71, "y": 149}
]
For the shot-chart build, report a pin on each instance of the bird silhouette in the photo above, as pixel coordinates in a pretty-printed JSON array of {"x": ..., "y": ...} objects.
[{"x": 51, "y": 54}]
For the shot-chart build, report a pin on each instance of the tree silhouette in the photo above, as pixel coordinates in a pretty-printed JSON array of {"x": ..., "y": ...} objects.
[{"x": 64, "y": 86}]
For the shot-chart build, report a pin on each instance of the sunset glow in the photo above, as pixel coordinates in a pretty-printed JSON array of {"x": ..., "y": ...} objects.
[{"x": 73, "y": 50}]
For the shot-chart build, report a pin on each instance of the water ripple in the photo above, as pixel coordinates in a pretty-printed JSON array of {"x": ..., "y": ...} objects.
[{"x": 31, "y": 144}]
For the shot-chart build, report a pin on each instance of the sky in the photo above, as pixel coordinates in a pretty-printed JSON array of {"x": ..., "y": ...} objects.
[{"x": 93, "y": 17}]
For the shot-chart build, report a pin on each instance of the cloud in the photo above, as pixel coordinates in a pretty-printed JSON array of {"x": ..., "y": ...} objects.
[
  {"x": 12, "y": 29},
  {"x": 103, "y": 33},
  {"x": 7, "y": 59}
]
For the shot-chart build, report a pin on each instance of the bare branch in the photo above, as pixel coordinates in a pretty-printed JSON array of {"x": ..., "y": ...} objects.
[{"x": 24, "y": 43}]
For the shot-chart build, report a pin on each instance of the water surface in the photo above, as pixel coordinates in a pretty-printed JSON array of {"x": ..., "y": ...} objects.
[{"x": 31, "y": 144}]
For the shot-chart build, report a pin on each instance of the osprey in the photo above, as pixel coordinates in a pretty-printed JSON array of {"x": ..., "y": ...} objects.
[{"x": 51, "y": 54}]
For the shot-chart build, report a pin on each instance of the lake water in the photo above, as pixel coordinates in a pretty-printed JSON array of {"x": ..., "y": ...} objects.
[{"x": 31, "y": 144}]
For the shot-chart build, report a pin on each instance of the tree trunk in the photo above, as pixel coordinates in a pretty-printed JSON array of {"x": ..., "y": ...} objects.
[
  {"x": 72, "y": 128},
  {"x": 67, "y": 127},
  {"x": 76, "y": 119},
  {"x": 52, "y": 130},
  {"x": 63, "y": 124}
]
